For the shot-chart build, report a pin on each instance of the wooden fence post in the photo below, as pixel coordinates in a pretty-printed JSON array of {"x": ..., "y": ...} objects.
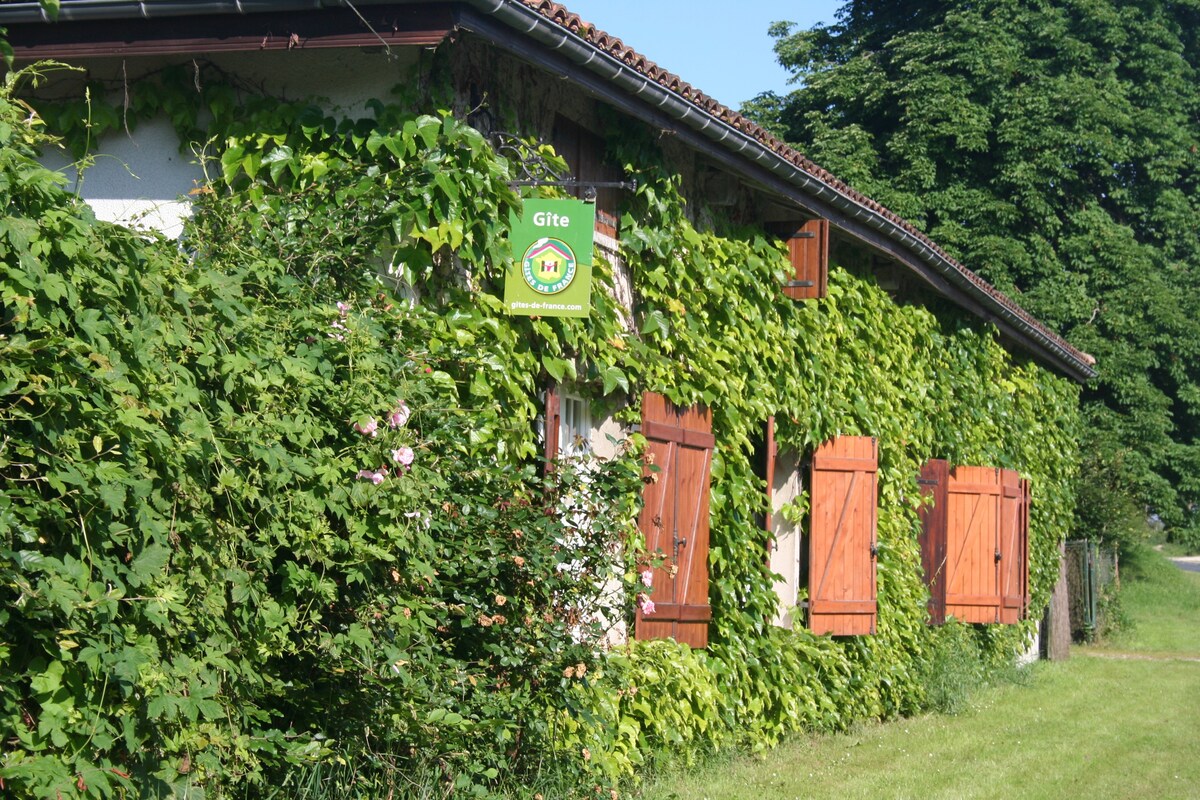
[{"x": 1056, "y": 624}]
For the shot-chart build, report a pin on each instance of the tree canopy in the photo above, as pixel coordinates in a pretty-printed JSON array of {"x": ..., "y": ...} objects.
[{"x": 1052, "y": 146}]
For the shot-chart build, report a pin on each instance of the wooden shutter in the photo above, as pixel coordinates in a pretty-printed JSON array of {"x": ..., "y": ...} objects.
[
  {"x": 584, "y": 154},
  {"x": 552, "y": 427},
  {"x": 808, "y": 247},
  {"x": 842, "y": 544},
  {"x": 973, "y": 516},
  {"x": 934, "y": 476},
  {"x": 1026, "y": 498},
  {"x": 1011, "y": 557},
  {"x": 674, "y": 519}
]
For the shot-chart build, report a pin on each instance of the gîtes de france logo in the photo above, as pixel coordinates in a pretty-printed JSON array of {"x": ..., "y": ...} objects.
[{"x": 548, "y": 266}]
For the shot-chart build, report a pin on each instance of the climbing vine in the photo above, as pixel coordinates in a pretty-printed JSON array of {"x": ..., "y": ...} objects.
[
  {"x": 926, "y": 383},
  {"x": 280, "y": 480}
]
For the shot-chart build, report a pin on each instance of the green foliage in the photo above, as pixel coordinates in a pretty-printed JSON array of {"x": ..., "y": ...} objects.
[
  {"x": 181, "y": 498},
  {"x": 955, "y": 670},
  {"x": 1106, "y": 512},
  {"x": 1053, "y": 147},
  {"x": 925, "y": 384},
  {"x": 219, "y": 561},
  {"x": 654, "y": 701},
  {"x": 1188, "y": 536}
]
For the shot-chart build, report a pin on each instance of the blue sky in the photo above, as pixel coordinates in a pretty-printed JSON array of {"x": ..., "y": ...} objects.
[{"x": 721, "y": 48}]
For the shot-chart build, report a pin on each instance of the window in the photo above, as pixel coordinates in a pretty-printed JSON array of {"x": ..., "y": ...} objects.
[
  {"x": 808, "y": 248},
  {"x": 934, "y": 476},
  {"x": 788, "y": 553},
  {"x": 842, "y": 539},
  {"x": 674, "y": 519},
  {"x": 834, "y": 560},
  {"x": 574, "y": 426},
  {"x": 975, "y": 543},
  {"x": 584, "y": 153}
]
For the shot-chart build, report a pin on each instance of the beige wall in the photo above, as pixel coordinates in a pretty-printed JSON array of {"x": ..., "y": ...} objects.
[{"x": 787, "y": 551}]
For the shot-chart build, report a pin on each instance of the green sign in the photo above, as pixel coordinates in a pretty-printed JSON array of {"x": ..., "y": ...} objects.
[{"x": 551, "y": 273}]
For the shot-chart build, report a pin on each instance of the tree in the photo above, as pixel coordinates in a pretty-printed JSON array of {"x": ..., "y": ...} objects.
[{"x": 1052, "y": 147}]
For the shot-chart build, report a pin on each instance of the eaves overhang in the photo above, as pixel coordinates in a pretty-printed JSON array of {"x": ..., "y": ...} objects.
[{"x": 615, "y": 73}]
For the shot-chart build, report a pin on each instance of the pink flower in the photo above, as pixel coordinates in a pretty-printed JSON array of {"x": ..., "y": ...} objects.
[
  {"x": 368, "y": 428},
  {"x": 368, "y": 475},
  {"x": 399, "y": 415},
  {"x": 645, "y": 604},
  {"x": 403, "y": 455},
  {"x": 343, "y": 308},
  {"x": 647, "y": 577}
]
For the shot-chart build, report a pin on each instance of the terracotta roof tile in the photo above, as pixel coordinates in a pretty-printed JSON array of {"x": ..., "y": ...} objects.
[{"x": 614, "y": 47}]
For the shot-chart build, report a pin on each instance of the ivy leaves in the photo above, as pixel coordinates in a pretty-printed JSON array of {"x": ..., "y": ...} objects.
[
  {"x": 926, "y": 383},
  {"x": 1050, "y": 148},
  {"x": 200, "y": 592},
  {"x": 181, "y": 509}
]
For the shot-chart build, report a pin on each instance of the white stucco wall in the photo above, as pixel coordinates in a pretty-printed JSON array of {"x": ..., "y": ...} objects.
[
  {"x": 1033, "y": 651},
  {"x": 142, "y": 179},
  {"x": 139, "y": 179}
]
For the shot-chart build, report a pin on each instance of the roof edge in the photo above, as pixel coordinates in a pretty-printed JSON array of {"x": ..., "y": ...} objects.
[
  {"x": 727, "y": 128},
  {"x": 26, "y": 11},
  {"x": 556, "y": 28}
]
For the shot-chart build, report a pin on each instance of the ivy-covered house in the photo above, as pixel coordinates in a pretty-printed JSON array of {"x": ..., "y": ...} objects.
[{"x": 847, "y": 436}]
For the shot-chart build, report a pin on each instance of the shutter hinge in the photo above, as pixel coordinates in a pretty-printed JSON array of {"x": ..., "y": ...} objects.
[
  {"x": 803, "y": 235},
  {"x": 997, "y": 556},
  {"x": 798, "y": 284},
  {"x": 927, "y": 482},
  {"x": 874, "y": 549}
]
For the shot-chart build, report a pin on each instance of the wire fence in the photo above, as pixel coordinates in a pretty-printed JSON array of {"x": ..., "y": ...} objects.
[{"x": 1093, "y": 576}]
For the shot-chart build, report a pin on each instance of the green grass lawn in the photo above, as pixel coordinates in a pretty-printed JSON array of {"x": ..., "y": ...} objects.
[
  {"x": 1162, "y": 605},
  {"x": 1119, "y": 720}
]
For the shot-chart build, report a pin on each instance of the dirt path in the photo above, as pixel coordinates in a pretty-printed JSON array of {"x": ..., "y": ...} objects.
[{"x": 1189, "y": 563}]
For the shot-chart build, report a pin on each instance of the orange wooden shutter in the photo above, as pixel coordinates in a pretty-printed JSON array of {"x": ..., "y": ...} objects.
[
  {"x": 553, "y": 426},
  {"x": 841, "y": 598},
  {"x": 934, "y": 476},
  {"x": 1026, "y": 497},
  {"x": 1012, "y": 556},
  {"x": 808, "y": 247},
  {"x": 973, "y": 518},
  {"x": 674, "y": 519}
]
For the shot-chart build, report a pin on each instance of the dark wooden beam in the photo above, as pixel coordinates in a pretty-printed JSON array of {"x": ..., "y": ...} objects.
[{"x": 395, "y": 26}]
